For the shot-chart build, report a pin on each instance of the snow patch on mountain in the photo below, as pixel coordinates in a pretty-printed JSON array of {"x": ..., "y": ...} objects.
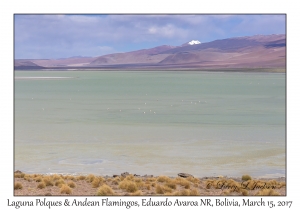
[{"x": 194, "y": 42}]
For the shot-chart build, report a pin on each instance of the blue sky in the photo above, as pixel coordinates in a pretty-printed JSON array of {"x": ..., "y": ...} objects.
[{"x": 62, "y": 36}]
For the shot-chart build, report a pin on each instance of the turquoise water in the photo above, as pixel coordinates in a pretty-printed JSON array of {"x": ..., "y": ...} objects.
[{"x": 150, "y": 123}]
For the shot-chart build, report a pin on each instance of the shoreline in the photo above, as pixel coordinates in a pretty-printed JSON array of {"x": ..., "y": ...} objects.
[
  {"x": 126, "y": 184},
  {"x": 264, "y": 177},
  {"x": 245, "y": 70}
]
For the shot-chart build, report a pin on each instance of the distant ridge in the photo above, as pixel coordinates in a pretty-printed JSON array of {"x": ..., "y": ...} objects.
[
  {"x": 259, "y": 51},
  {"x": 26, "y": 64}
]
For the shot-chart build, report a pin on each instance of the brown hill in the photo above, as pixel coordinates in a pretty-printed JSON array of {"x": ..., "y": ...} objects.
[
  {"x": 150, "y": 56},
  {"x": 248, "y": 52},
  {"x": 26, "y": 64},
  {"x": 260, "y": 51}
]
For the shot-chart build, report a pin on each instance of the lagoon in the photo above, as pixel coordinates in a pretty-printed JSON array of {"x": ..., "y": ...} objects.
[{"x": 160, "y": 123}]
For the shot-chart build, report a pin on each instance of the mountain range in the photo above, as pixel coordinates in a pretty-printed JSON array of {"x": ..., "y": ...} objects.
[{"x": 249, "y": 52}]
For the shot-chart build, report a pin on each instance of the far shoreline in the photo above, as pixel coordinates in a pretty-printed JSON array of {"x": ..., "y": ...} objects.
[
  {"x": 224, "y": 70},
  {"x": 237, "y": 178}
]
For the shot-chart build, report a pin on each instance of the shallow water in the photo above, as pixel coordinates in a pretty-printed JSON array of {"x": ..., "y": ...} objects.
[{"x": 150, "y": 123}]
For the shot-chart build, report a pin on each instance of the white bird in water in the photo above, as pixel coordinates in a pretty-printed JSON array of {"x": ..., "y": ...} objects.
[
  {"x": 120, "y": 110},
  {"x": 145, "y": 103},
  {"x": 144, "y": 112}
]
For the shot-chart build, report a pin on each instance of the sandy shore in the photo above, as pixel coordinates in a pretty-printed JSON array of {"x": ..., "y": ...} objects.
[{"x": 131, "y": 185}]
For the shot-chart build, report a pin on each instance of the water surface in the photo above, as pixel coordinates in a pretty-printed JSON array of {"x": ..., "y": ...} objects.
[{"x": 150, "y": 123}]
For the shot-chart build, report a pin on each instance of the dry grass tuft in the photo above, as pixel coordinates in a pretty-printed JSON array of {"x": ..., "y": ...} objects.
[
  {"x": 130, "y": 177},
  {"x": 244, "y": 192},
  {"x": 267, "y": 192},
  {"x": 137, "y": 180},
  {"x": 59, "y": 182},
  {"x": 258, "y": 184},
  {"x": 137, "y": 193},
  {"x": 18, "y": 186},
  {"x": 194, "y": 192},
  {"x": 246, "y": 177},
  {"x": 48, "y": 182},
  {"x": 56, "y": 177},
  {"x": 81, "y": 177},
  {"x": 249, "y": 184},
  {"x": 116, "y": 180},
  {"x": 171, "y": 184},
  {"x": 163, "y": 179},
  {"x": 69, "y": 177},
  {"x": 272, "y": 184},
  {"x": 281, "y": 184},
  {"x": 184, "y": 192},
  {"x": 128, "y": 185},
  {"x": 38, "y": 179},
  {"x": 151, "y": 179},
  {"x": 19, "y": 175},
  {"x": 101, "y": 179},
  {"x": 71, "y": 184},
  {"x": 226, "y": 192},
  {"x": 28, "y": 178},
  {"x": 160, "y": 189},
  {"x": 105, "y": 190},
  {"x": 139, "y": 183},
  {"x": 90, "y": 178},
  {"x": 96, "y": 182},
  {"x": 65, "y": 189},
  {"x": 183, "y": 182},
  {"x": 209, "y": 183},
  {"x": 41, "y": 185},
  {"x": 193, "y": 180}
]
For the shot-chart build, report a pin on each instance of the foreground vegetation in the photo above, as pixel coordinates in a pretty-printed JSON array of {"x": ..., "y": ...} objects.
[{"x": 39, "y": 184}]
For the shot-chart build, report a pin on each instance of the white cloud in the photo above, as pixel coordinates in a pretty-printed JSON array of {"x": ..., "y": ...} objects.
[{"x": 163, "y": 31}]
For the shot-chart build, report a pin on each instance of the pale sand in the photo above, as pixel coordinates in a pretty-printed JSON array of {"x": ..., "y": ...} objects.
[{"x": 41, "y": 78}]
